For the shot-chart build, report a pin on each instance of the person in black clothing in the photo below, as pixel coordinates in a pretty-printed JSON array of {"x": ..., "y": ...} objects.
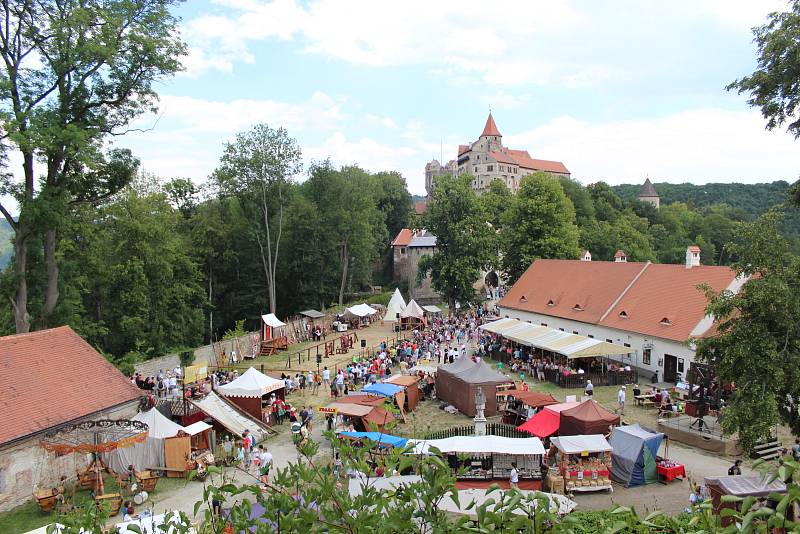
[{"x": 736, "y": 468}]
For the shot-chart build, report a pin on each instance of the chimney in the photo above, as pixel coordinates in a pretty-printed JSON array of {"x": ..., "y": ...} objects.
[
  {"x": 692, "y": 256},
  {"x": 620, "y": 257},
  {"x": 586, "y": 256}
]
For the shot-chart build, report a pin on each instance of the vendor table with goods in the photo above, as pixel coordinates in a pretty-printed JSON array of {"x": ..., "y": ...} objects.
[
  {"x": 669, "y": 471},
  {"x": 584, "y": 462}
]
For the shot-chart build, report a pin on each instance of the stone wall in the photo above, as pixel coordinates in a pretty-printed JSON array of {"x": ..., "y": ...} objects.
[{"x": 26, "y": 466}]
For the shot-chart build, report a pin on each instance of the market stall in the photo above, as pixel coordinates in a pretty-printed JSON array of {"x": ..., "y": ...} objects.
[
  {"x": 634, "y": 458},
  {"x": 360, "y": 314},
  {"x": 582, "y": 462},
  {"x": 249, "y": 391},
  {"x": 383, "y": 440},
  {"x": 744, "y": 486},
  {"x": 412, "y": 316},
  {"x": 546, "y": 421},
  {"x": 589, "y": 417},
  {"x": 458, "y": 383},
  {"x": 518, "y": 405},
  {"x": 361, "y": 416},
  {"x": 479, "y": 461},
  {"x": 410, "y": 385},
  {"x": 395, "y": 307},
  {"x": 273, "y": 335}
]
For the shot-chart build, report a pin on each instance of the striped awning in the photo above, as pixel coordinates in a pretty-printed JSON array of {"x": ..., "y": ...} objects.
[{"x": 500, "y": 326}]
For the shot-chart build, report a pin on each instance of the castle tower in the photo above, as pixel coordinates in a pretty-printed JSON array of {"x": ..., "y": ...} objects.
[
  {"x": 648, "y": 193},
  {"x": 491, "y": 135}
]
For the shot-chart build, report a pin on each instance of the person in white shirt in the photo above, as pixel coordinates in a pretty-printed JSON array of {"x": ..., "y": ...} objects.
[
  {"x": 265, "y": 464},
  {"x": 621, "y": 400},
  {"x": 326, "y": 378},
  {"x": 589, "y": 391},
  {"x": 178, "y": 371},
  {"x": 514, "y": 478}
]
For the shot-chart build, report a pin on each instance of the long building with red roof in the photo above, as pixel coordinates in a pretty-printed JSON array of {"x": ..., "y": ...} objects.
[
  {"x": 487, "y": 159},
  {"x": 656, "y": 309}
]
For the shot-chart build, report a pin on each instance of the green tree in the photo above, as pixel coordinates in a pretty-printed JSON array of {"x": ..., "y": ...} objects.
[
  {"x": 539, "y": 223},
  {"x": 255, "y": 169},
  {"x": 495, "y": 201},
  {"x": 463, "y": 239},
  {"x": 773, "y": 86},
  {"x": 73, "y": 73},
  {"x": 758, "y": 343}
]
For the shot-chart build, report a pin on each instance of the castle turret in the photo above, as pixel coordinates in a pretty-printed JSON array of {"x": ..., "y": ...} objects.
[{"x": 648, "y": 193}]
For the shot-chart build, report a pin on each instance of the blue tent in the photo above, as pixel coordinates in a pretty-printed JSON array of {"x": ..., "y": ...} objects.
[
  {"x": 633, "y": 455},
  {"x": 377, "y": 437},
  {"x": 385, "y": 390}
]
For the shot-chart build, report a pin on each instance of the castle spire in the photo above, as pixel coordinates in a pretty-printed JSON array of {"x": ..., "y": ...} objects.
[{"x": 491, "y": 127}]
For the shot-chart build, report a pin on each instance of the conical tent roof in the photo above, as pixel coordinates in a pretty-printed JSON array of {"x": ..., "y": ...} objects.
[
  {"x": 459, "y": 365},
  {"x": 396, "y": 305},
  {"x": 481, "y": 373},
  {"x": 158, "y": 426},
  {"x": 252, "y": 383},
  {"x": 412, "y": 310},
  {"x": 586, "y": 418}
]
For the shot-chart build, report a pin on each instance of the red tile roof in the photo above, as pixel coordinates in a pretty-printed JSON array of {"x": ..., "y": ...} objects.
[
  {"x": 403, "y": 238},
  {"x": 668, "y": 292},
  {"x": 594, "y": 285},
  {"x": 646, "y": 293},
  {"x": 462, "y": 149},
  {"x": 490, "y": 128},
  {"x": 420, "y": 207},
  {"x": 525, "y": 160},
  {"x": 54, "y": 377}
]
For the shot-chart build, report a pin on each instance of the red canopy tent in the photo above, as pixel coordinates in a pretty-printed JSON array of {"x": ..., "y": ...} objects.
[
  {"x": 543, "y": 424},
  {"x": 587, "y": 418}
]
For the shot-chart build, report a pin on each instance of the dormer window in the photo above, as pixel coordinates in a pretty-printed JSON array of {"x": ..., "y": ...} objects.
[
  {"x": 551, "y": 303},
  {"x": 523, "y": 298},
  {"x": 577, "y": 307},
  {"x": 666, "y": 322},
  {"x": 623, "y": 314}
]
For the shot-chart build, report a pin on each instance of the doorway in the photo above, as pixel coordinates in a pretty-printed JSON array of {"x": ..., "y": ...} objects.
[{"x": 670, "y": 368}]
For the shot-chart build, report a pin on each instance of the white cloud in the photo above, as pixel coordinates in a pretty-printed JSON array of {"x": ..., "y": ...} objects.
[{"x": 700, "y": 145}]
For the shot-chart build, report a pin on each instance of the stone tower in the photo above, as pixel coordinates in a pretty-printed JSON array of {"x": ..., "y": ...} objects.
[{"x": 648, "y": 193}]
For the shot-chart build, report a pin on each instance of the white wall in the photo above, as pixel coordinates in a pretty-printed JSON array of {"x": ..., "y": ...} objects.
[{"x": 660, "y": 346}]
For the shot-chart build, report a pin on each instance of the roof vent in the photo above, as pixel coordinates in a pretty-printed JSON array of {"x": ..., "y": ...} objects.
[
  {"x": 551, "y": 303},
  {"x": 666, "y": 322},
  {"x": 620, "y": 257},
  {"x": 586, "y": 256},
  {"x": 692, "y": 256},
  {"x": 623, "y": 314},
  {"x": 577, "y": 307},
  {"x": 523, "y": 298}
]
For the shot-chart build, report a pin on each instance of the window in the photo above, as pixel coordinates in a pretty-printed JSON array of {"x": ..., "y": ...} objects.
[
  {"x": 577, "y": 307},
  {"x": 590, "y": 336},
  {"x": 489, "y": 168},
  {"x": 575, "y": 332},
  {"x": 544, "y": 324},
  {"x": 551, "y": 303},
  {"x": 627, "y": 345},
  {"x": 561, "y": 329},
  {"x": 680, "y": 365},
  {"x": 476, "y": 168},
  {"x": 402, "y": 250},
  {"x": 609, "y": 341},
  {"x": 646, "y": 353},
  {"x": 666, "y": 322},
  {"x": 623, "y": 314}
]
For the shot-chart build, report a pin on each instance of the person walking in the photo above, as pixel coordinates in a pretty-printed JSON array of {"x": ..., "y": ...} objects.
[
  {"x": 326, "y": 379},
  {"x": 247, "y": 445},
  {"x": 621, "y": 400},
  {"x": 736, "y": 468},
  {"x": 266, "y": 463},
  {"x": 514, "y": 476}
]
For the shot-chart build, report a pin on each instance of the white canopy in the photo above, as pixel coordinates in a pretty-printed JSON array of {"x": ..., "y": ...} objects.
[
  {"x": 424, "y": 368},
  {"x": 578, "y": 444},
  {"x": 252, "y": 383},
  {"x": 272, "y": 321},
  {"x": 432, "y": 309},
  {"x": 480, "y": 444},
  {"x": 361, "y": 310},
  {"x": 396, "y": 305},
  {"x": 196, "y": 428},
  {"x": 149, "y": 453},
  {"x": 500, "y": 325},
  {"x": 413, "y": 310},
  {"x": 234, "y": 420}
]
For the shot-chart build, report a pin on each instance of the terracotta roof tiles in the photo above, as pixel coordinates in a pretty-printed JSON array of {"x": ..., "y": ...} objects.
[
  {"x": 54, "y": 377},
  {"x": 490, "y": 128},
  {"x": 403, "y": 238}
]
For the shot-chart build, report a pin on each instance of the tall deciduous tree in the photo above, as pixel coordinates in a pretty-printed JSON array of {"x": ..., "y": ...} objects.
[
  {"x": 73, "y": 72},
  {"x": 540, "y": 223},
  {"x": 463, "y": 239},
  {"x": 773, "y": 86},
  {"x": 255, "y": 168},
  {"x": 758, "y": 345}
]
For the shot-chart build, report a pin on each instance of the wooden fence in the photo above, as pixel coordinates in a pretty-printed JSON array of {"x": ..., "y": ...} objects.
[{"x": 493, "y": 429}]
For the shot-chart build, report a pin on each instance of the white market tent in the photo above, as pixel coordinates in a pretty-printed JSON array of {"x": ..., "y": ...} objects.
[
  {"x": 361, "y": 310},
  {"x": 579, "y": 444},
  {"x": 480, "y": 444},
  {"x": 149, "y": 453},
  {"x": 197, "y": 427},
  {"x": 227, "y": 415},
  {"x": 272, "y": 321},
  {"x": 570, "y": 345},
  {"x": 432, "y": 309},
  {"x": 413, "y": 310},
  {"x": 396, "y": 305},
  {"x": 252, "y": 383}
]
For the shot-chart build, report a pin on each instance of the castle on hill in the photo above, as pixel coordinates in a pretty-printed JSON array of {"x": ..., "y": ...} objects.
[{"x": 487, "y": 159}]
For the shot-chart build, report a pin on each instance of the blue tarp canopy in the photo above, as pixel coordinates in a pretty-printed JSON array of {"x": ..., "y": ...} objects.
[
  {"x": 377, "y": 437},
  {"x": 386, "y": 390}
]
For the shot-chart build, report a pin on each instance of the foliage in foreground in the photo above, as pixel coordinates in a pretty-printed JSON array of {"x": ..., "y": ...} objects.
[{"x": 307, "y": 496}]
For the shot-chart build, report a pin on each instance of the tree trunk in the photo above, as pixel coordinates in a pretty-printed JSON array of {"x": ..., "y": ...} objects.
[
  {"x": 19, "y": 303},
  {"x": 269, "y": 266},
  {"x": 345, "y": 264},
  {"x": 211, "y": 307},
  {"x": 51, "y": 265}
]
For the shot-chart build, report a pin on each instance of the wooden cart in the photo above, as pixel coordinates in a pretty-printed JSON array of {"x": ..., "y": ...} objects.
[
  {"x": 147, "y": 480},
  {"x": 47, "y": 498},
  {"x": 112, "y": 500}
]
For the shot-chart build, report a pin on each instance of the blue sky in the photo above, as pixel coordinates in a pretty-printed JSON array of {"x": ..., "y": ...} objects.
[{"x": 616, "y": 90}]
